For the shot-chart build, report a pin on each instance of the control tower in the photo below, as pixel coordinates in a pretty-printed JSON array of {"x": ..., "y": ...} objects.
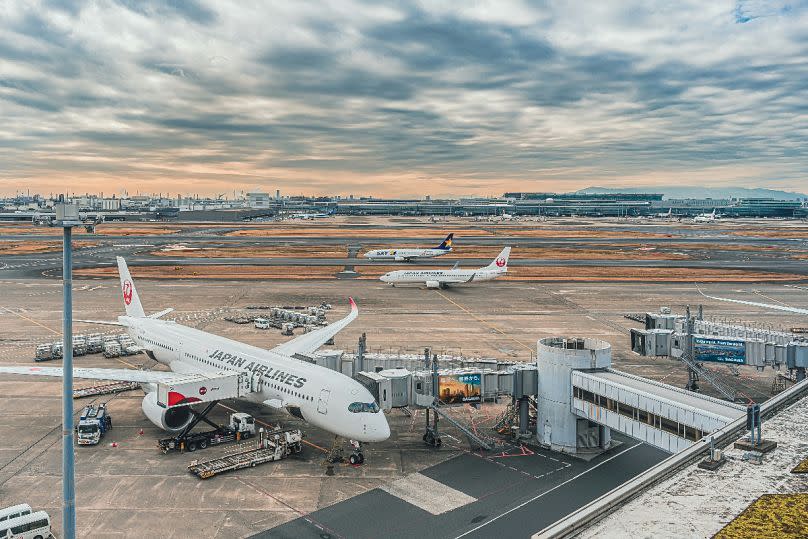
[{"x": 557, "y": 426}]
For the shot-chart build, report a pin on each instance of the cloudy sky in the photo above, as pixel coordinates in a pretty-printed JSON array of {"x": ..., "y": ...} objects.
[{"x": 347, "y": 96}]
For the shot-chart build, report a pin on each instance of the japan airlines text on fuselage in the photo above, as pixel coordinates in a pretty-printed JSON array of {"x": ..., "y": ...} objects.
[
  {"x": 444, "y": 278},
  {"x": 321, "y": 396},
  {"x": 325, "y": 398}
]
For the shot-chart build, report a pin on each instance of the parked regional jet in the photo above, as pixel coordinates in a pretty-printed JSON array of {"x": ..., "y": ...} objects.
[
  {"x": 405, "y": 255},
  {"x": 325, "y": 398},
  {"x": 444, "y": 278},
  {"x": 705, "y": 217}
]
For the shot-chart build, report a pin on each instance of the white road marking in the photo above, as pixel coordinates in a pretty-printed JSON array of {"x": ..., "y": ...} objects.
[
  {"x": 533, "y": 499},
  {"x": 427, "y": 494}
]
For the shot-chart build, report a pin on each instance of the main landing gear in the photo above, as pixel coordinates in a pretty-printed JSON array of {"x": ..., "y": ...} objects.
[{"x": 431, "y": 438}]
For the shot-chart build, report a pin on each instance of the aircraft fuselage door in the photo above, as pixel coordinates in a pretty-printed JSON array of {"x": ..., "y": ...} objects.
[{"x": 322, "y": 404}]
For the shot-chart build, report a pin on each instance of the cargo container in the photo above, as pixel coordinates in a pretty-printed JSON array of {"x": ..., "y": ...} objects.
[{"x": 203, "y": 387}]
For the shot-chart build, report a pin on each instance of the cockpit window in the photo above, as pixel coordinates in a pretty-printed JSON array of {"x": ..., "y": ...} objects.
[{"x": 359, "y": 407}]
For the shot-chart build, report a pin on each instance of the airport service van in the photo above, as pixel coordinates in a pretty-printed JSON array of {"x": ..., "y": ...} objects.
[
  {"x": 32, "y": 525},
  {"x": 14, "y": 511},
  {"x": 261, "y": 323}
]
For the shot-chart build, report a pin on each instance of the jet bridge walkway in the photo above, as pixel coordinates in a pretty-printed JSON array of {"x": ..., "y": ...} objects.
[{"x": 666, "y": 417}]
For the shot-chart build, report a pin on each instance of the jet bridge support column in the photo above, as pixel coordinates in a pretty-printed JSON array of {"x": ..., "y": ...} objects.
[
  {"x": 557, "y": 426},
  {"x": 524, "y": 415},
  {"x": 431, "y": 435}
]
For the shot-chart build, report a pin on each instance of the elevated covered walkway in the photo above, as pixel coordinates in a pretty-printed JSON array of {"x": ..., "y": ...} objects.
[{"x": 666, "y": 417}]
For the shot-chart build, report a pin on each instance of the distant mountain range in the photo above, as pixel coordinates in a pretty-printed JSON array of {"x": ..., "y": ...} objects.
[{"x": 698, "y": 192}]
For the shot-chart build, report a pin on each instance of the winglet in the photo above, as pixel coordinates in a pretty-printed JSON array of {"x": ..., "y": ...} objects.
[
  {"x": 353, "y": 304},
  {"x": 161, "y": 313}
]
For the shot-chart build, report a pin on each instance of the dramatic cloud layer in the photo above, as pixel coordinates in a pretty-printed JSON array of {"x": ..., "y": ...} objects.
[{"x": 426, "y": 97}]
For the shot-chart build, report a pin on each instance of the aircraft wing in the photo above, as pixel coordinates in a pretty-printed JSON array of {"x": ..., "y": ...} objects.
[
  {"x": 309, "y": 342},
  {"x": 101, "y": 322},
  {"x": 122, "y": 375},
  {"x": 756, "y": 304},
  {"x": 455, "y": 280}
]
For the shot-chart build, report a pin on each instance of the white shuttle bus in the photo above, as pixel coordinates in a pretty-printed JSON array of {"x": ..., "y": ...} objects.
[
  {"x": 31, "y": 526},
  {"x": 14, "y": 511}
]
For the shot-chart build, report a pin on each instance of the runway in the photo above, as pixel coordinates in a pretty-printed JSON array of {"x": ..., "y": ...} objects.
[{"x": 740, "y": 253}]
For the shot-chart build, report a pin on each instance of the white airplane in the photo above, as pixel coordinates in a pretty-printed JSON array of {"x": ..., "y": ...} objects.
[
  {"x": 756, "y": 304},
  {"x": 705, "y": 217},
  {"x": 667, "y": 215},
  {"x": 405, "y": 255},
  {"x": 444, "y": 278},
  {"x": 325, "y": 398},
  {"x": 306, "y": 216}
]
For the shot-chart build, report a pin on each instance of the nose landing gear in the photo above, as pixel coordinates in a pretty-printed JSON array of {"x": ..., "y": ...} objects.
[
  {"x": 356, "y": 457},
  {"x": 335, "y": 455}
]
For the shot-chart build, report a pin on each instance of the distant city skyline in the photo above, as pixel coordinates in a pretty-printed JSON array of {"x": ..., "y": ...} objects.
[{"x": 340, "y": 97}]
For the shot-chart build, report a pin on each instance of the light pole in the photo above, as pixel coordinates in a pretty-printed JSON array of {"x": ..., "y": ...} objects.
[{"x": 67, "y": 216}]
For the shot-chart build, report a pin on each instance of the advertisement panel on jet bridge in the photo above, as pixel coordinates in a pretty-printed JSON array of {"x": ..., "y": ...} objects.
[
  {"x": 460, "y": 388},
  {"x": 719, "y": 350},
  {"x": 198, "y": 388}
]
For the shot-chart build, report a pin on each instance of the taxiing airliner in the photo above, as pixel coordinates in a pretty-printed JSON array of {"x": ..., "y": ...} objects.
[
  {"x": 405, "y": 255},
  {"x": 442, "y": 278},
  {"x": 706, "y": 217},
  {"x": 325, "y": 398}
]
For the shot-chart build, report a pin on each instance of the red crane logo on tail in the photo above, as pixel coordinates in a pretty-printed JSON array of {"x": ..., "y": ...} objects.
[
  {"x": 203, "y": 390},
  {"x": 500, "y": 262},
  {"x": 127, "y": 292}
]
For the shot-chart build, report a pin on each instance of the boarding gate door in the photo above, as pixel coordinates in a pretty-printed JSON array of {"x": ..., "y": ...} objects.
[{"x": 322, "y": 404}]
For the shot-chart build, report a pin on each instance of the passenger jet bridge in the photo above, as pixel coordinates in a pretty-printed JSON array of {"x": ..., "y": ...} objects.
[
  {"x": 580, "y": 399},
  {"x": 661, "y": 415}
]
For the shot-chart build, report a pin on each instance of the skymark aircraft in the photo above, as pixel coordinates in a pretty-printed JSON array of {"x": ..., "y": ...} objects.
[
  {"x": 325, "y": 398},
  {"x": 444, "y": 278},
  {"x": 405, "y": 255}
]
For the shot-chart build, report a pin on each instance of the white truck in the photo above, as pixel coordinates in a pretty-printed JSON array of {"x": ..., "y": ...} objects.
[
  {"x": 94, "y": 422},
  {"x": 261, "y": 323},
  {"x": 241, "y": 427}
]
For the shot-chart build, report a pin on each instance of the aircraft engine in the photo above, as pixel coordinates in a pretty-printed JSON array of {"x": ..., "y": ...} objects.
[
  {"x": 169, "y": 419},
  {"x": 400, "y": 259},
  {"x": 433, "y": 284}
]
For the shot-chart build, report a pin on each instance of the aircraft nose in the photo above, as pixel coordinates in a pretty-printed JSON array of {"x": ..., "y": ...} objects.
[
  {"x": 385, "y": 277},
  {"x": 384, "y": 430},
  {"x": 380, "y": 430}
]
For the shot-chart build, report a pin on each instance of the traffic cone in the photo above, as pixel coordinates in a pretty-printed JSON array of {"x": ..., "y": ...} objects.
[{"x": 114, "y": 444}]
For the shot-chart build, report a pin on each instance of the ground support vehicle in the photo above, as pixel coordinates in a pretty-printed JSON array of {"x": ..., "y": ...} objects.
[
  {"x": 94, "y": 422},
  {"x": 271, "y": 446},
  {"x": 241, "y": 427}
]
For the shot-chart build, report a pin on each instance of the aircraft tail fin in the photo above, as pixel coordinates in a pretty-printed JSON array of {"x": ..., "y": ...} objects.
[
  {"x": 130, "y": 298},
  {"x": 446, "y": 244},
  {"x": 501, "y": 261}
]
